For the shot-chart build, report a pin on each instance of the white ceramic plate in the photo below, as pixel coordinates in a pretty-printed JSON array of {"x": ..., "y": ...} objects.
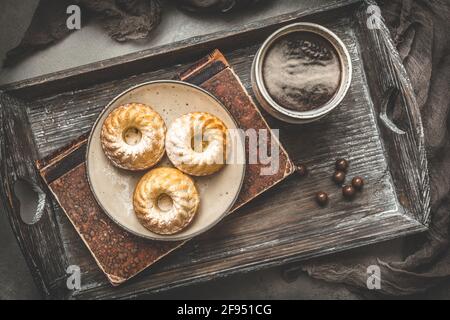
[{"x": 113, "y": 188}]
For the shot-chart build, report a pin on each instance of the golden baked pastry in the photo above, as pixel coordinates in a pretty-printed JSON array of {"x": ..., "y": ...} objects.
[
  {"x": 162, "y": 183},
  {"x": 197, "y": 143},
  {"x": 133, "y": 136}
]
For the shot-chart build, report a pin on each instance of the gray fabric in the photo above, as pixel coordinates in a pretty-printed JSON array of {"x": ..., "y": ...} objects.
[{"x": 421, "y": 31}]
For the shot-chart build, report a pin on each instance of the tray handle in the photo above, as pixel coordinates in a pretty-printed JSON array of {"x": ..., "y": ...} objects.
[
  {"x": 389, "y": 104},
  {"x": 38, "y": 237},
  {"x": 392, "y": 93}
]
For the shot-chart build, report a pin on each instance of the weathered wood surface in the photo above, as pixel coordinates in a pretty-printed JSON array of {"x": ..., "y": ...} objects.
[
  {"x": 284, "y": 224},
  {"x": 40, "y": 242},
  {"x": 403, "y": 137}
]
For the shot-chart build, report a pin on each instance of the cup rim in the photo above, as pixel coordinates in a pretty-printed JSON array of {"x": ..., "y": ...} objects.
[{"x": 344, "y": 59}]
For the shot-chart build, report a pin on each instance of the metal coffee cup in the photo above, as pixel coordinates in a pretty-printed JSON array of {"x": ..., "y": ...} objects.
[{"x": 294, "y": 116}]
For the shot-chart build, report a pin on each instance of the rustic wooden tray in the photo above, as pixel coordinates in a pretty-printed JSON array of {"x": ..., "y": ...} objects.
[{"x": 283, "y": 225}]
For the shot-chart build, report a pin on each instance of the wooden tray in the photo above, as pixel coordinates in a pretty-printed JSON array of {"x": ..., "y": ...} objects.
[{"x": 284, "y": 224}]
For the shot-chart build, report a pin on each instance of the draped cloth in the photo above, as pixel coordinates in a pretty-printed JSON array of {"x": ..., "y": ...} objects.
[{"x": 420, "y": 29}]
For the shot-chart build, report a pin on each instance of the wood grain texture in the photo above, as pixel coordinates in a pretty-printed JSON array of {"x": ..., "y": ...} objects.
[
  {"x": 403, "y": 137},
  {"x": 40, "y": 242},
  {"x": 284, "y": 224}
]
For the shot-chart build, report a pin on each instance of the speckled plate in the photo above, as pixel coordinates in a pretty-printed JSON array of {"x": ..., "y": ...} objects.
[{"x": 113, "y": 188}]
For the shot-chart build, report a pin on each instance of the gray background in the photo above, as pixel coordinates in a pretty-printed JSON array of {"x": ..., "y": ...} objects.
[{"x": 91, "y": 44}]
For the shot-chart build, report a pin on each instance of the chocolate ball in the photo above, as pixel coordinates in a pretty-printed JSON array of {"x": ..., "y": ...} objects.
[
  {"x": 339, "y": 177},
  {"x": 348, "y": 192},
  {"x": 322, "y": 198},
  {"x": 358, "y": 183},
  {"x": 341, "y": 165},
  {"x": 302, "y": 170}
]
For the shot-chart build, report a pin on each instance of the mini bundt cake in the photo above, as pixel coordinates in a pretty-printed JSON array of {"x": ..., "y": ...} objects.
[
  {"x": 133, "y": 136},
  {"x": 174, "y": 185},
  {"x": 197, "y": 143}
]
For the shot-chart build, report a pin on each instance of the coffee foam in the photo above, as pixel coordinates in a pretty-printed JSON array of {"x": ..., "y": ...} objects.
[{"x": 301, "y": 71}]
